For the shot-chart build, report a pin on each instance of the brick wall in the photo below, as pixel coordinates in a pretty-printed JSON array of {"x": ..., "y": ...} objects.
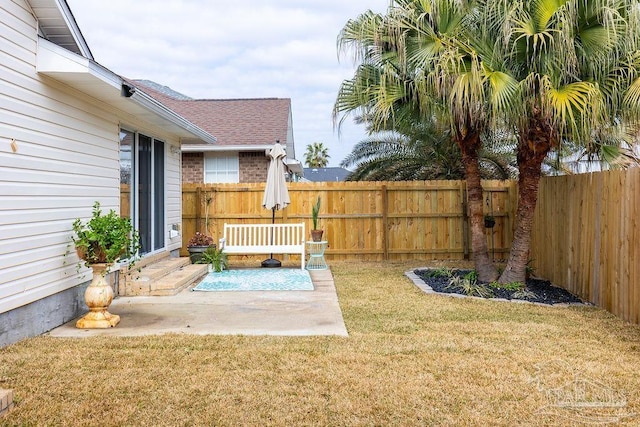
[
  {"x": 253, "y": 167},
  {"x": 192, "y": 168}
]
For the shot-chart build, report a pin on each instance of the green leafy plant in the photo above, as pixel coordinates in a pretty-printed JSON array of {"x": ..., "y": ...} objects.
[
  {"x": 440, "y": 272},
  {"x": 105, "y": 238},
  {"x": 529, "y": 269},
  {"x": 216, "y": 257},
  {"x": 468, "y": 285},
  {"x": 472, "y": 276},
  {"x": 524, "y": 293},
  {"x": 315, "y": 211}
]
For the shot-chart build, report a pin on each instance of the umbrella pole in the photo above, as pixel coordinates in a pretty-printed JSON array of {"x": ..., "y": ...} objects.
[
  {"x": 273, "y": 221},
  {"x": 272, "y": 263}
]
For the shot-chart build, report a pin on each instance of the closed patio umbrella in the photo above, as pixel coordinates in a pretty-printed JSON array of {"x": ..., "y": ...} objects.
[{"x": 276, "y": 194}]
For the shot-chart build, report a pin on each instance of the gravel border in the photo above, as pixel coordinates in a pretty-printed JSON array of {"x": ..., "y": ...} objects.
[{"x": 429, "y": 290}]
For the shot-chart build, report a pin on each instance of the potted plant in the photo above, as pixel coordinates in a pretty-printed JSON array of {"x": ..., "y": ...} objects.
[
  {"x": 197, "y": 245},
  {"x": 100, "y": 242},
  {"x": 489, "y": 221},
  {"x": 316, "y": 233},
  {"x": 216, "y": 258}
]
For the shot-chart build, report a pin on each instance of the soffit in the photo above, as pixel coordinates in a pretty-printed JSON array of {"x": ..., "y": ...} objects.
[{"x": 57, "y": 24}]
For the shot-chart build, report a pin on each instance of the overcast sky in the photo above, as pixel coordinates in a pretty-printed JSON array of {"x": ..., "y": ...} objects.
[{"x": 235, "y": 49}]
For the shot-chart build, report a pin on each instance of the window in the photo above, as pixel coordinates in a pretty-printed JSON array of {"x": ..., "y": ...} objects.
[{"x": 221, "y": 168}]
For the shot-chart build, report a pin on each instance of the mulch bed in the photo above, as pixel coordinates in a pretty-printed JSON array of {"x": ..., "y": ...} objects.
[{"x": 539, "y": 291}]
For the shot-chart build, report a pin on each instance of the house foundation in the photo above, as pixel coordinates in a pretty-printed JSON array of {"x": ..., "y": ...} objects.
[{"x": 42, "y": 316}]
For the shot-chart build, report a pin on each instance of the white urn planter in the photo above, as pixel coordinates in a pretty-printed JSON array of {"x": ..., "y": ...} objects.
[{"x": 98, "y": 297}]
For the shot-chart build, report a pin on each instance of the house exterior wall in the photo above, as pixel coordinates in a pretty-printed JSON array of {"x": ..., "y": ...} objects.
[
  {"x": 173, "y": 188},
  {"x": 291, "y": 151},
  {"x": 192, "y": 168},
  {"x": 66, "y": 156},
  {"x": 59, "y": 153},
  {"x": 253, "y": 167}
]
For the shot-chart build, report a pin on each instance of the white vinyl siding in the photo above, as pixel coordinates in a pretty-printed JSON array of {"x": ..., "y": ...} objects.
[
  {"x": 67, "y": 158},
  {"x": 221, "y": 168},
  {"x": 173, "y": 187},
  {"x": 52, "y": 177}
]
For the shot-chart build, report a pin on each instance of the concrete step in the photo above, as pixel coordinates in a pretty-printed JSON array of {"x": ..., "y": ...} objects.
[
  {"x": 178, "y": 280},
  {"x": 159, "y": 269},
  {"x": 150, "y": 259},
  {"x": 166, "y": 276}
]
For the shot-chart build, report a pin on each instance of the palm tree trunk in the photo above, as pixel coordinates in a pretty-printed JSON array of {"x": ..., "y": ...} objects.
[
  {"x": 469, "y": 145},
  {"x": 532, "y": 149}
]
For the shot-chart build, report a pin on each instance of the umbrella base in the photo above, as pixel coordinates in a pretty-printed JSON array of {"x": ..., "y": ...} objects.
[{"x": 271, "y": 263}]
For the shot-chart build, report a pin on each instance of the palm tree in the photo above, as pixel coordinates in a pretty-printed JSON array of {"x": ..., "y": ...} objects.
[
  {"x": 422, "y": 152},
  {"x": 317, "y": 155},
  {"x": 405, "y": 75},
  {"x": 391, "y": 156},
  {"x": 547, "y": 71},
  {"x": 571, "y": 69}
]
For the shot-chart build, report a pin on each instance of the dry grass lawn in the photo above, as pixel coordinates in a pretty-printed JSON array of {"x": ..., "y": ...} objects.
[{"x": 410, "y": 359}]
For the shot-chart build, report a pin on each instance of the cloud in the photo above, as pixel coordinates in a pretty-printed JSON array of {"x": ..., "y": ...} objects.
[{"x": 232, "y": 49}]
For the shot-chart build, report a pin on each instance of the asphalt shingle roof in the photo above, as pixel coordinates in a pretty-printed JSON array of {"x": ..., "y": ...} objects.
[
  {"x": 251, "y": 121},
  {"x": 165, "y": 90}
]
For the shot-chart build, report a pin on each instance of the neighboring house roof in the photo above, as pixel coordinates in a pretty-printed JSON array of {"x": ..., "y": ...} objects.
[
  {"x": 326, "y": 174},
  {"x": 164, "y": 90},
  {"x": 241, "y": 121},
  {"x": 248, "y": 124},
  {"x": 235, "y": 122}
]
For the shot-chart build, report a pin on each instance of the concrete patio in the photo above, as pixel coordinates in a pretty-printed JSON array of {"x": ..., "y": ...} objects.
[{"x": 288, "y": 313}]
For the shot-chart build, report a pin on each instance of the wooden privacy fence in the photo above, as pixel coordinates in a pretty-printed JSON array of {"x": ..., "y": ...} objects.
[
  {"x": 363, "y": 220},
  {"x": 586, "y": 238}
]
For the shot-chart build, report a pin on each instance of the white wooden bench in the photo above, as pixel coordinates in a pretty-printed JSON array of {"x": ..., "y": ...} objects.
[{"x": 242, "y": 239}]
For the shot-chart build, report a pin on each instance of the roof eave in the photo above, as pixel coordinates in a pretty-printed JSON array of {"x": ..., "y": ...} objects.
[
  {"x": 91, "y": 78},
  {"x": 201, "y": 148}
]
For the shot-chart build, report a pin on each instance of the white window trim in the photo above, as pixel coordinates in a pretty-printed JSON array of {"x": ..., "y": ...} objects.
[{"x": 230, "y": 172}]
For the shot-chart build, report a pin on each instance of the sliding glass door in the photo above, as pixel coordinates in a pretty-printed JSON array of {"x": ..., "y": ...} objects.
[{"x": 142, "y": 196}]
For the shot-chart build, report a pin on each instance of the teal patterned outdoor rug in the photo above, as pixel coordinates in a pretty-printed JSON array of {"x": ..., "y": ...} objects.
[{"x": 264, "y": 279}]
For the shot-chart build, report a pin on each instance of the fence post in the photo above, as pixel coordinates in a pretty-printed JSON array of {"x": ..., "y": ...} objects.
[
  {"x": 198, "y": 208},
  {"x": 385, "y": 223},
  {"x": 511, "y": 207},
  {"x": 465, "y": 220}
]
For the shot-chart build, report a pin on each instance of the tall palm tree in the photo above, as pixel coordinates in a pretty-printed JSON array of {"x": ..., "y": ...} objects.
[
  {"x": 316, "y": 155},
  {"x": 571, "y": 71},
  {"x": 549, "y": 71},
  {"x": 404, "y": 74}
]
